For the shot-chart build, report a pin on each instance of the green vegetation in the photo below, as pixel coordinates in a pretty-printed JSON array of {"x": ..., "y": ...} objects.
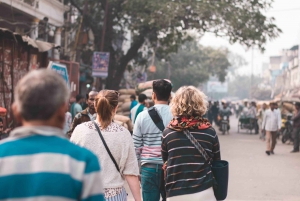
[{"x": 160, "y": 25}]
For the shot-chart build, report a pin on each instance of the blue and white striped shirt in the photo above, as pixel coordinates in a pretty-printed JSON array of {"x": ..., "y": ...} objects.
[
  {"x": 38, "y": 163},
  {"x": 147, "y": 136}
]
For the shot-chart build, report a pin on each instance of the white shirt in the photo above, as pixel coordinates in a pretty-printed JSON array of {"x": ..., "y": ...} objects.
[
  {"x": 68, "y": 122},
  {"x": 271, "y": 120},
  {"x": 134, "y": 110},
  {"x": 120, "y": 144},
  {"x": 93, "y": 117},
  {"x": 279, "y": 114}
]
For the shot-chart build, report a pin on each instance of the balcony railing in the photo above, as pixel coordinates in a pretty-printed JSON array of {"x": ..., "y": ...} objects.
[{"x": 33, "y": 3}]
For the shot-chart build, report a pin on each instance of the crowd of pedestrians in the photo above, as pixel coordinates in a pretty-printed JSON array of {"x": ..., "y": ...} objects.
[
  {"x": 82, "y": 152},
  {"x": 101, "y": 154}
]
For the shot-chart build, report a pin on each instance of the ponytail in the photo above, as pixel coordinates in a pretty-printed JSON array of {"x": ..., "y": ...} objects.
[{"x": 106, "y": 101}]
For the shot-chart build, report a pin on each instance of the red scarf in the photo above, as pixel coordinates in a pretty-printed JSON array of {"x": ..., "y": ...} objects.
[{"x": 181, "y": 123}]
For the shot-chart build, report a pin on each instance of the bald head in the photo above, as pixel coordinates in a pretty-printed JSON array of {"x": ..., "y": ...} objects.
[{"x": 39, "y": 94}]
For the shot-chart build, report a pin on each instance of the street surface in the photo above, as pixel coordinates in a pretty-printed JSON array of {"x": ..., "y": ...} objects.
[{"x": 255, "y": 176}]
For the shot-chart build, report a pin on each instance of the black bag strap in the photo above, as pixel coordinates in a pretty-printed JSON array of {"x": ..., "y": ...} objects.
[
  {"x": 106, "y": 147},
  {"x": 156, "y": 119},
  {"x": 197, "y": 146}
]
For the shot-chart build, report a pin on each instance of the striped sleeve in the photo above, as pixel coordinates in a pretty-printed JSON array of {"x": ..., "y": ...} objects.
[
  {"x": 164, "y": 151},
  {"x": 137, "y": 137},
  {"x": 92, "y": 181},
  {"x": 216, "y": 148}
]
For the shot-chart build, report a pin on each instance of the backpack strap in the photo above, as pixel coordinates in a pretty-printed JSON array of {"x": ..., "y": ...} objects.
[{"x": 156, "y": 118}]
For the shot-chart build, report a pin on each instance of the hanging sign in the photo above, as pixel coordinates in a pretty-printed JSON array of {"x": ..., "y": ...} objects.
[{"x": 100, "y": 64}]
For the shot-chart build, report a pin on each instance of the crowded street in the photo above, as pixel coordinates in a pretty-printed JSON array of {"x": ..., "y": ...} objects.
[{"x": 113, "y": 100}]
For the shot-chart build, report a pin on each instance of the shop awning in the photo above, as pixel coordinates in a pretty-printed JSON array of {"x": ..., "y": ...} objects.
[{"x": 40, "y": 45}]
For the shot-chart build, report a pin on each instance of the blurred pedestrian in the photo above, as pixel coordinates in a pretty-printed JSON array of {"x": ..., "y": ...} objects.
[
  {"x": 3, "y": 133},
  {"x": 210, "y": 115},
  {"x": 278, "y": 111},
  {"x": 296, "y": 128},
  {"x": 133, "y": 104},
  {"x": 261, "y": 113},
  {"x": 89, "y": 114},
  {"x": 140, "y": 107},
  {"x": 68, "y": 122},
  {"x": 37, "y": 162},
  {"x": 215, "y": 112},
  {"x": 237, "y": 110},
  {"x": 76, "y": 107},
  {"x": 271, "y": 125},
  {"x": 147, "y": 133},
  {"x": 188, "y": 175},
  {"x": 113, "y": 145},
  {"x": 252, "y": 114}
]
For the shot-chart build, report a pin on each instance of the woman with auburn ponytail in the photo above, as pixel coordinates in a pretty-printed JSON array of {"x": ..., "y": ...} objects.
[{"x": 122, "y": 164}]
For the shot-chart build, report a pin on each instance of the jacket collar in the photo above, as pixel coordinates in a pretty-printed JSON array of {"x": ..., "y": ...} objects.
[{"x": 85, "y": 112}]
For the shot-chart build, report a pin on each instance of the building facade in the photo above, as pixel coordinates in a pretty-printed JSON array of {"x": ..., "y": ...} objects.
[{"x": 39, "y": 19}]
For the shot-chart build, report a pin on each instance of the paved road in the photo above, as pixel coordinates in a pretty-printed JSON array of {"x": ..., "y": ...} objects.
[{"x": 256, "y": 176}]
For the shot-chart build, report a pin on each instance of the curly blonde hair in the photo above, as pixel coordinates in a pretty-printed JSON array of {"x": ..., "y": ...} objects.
[{"x": 189, "y": 101}]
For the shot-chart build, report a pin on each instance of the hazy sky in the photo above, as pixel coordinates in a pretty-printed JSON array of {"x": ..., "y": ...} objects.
[{"x": 287, "y": 18}]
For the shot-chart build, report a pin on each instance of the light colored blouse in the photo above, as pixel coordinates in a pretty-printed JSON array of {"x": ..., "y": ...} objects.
[{"x": 120, "y": 144}]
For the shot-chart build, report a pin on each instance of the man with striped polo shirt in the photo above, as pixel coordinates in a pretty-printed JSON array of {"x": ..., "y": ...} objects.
[
  {"x": 36, "y": 161},
  {"x": 147, "y": 141}
]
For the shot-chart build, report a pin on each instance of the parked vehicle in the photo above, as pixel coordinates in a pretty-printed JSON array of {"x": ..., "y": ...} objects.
[
  {"x": 287, "y": 129},
  {"x": 246, "y": 123},
  {"x": 224, "y": 126}
]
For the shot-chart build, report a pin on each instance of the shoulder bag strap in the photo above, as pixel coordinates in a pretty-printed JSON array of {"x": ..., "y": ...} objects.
[
  {"x": 197, "y": 146},
  {"x": 156, "y": 119},
  {"x": 106, "y": 147}
]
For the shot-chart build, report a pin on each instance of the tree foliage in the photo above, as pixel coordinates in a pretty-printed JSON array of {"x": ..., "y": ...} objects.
[
  {"x": 161, "y": 25},
  {"x": 193, "y": 64}
]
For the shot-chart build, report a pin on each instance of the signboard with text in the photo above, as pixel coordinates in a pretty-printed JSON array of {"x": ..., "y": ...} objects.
[
  {"x": 60, "y": 69},
  {"x": 100, "y": 64},
  {"x": 217, "y": 87}
]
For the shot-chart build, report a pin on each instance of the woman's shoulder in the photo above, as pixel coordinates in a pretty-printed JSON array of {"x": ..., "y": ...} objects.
[
  {"x": 112, "y": 128},
  {"x": 208, "y": 131},
  {"x": 169, "y": 131}
]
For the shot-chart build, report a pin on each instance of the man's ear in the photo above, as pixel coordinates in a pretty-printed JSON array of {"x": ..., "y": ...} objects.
[
  {"x": 60, "y": 115},
  {"x": 16, "y": 113},
  {"x": 153, "y": 96}
]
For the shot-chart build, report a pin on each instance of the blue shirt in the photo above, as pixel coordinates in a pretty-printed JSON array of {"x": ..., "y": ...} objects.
[
  {"x": 133, "y": 104},
  {"x": 38, "y": 163}
]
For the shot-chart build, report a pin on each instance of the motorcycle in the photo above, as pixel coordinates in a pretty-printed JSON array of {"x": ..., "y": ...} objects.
[
  {"x": 287, "y": 130},
  {"x": 224, "y": 126}
]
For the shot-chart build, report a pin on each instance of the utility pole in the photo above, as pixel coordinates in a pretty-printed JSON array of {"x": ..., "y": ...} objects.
[
  {"x": 104, "y": 26},
  {"x": 251, "y": 79},
  {"x": 169, "y": 70},
  {"x": 98, "y": 82},
  {"x": 78, "y": 35}
]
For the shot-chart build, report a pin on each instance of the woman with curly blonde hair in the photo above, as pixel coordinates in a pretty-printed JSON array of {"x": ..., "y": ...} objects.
[{"x": 188, "y": 174}]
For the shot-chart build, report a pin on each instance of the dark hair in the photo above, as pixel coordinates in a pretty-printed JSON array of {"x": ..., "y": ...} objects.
[
  {"x": 1, "y": 120},
  {"x": 106, "y": 101},
  {"x": 162, "y": 89},
  {"x": 132, "y": 97},
  {"x": 297, "y": 104},
  {"x": 78, "y": 97},
  {"x": 142, "y": 98}
]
